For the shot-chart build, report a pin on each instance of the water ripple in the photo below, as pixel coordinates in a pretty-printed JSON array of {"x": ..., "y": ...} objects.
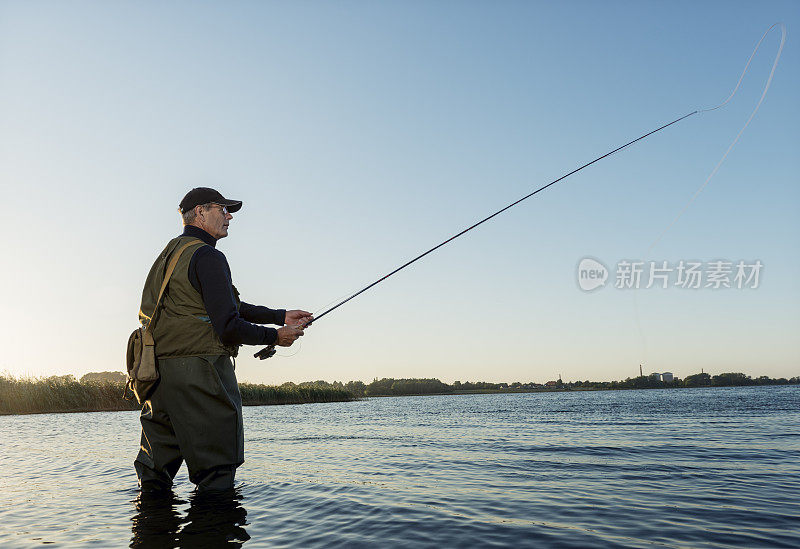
[{"x": 679, "y": 468}]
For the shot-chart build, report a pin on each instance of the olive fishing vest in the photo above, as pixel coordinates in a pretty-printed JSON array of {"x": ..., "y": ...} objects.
[{"x": 182, "y": 327}]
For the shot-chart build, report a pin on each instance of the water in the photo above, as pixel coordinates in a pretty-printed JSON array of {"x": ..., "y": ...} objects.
[{"x": 674, "y": 468}]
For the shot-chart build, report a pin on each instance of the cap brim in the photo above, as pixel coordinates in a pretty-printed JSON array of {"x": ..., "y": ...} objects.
[{"x": 231, "y": 205}]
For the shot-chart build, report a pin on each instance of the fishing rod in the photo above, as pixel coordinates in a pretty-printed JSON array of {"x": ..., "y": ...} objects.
[{"x": 269, "y": 351}]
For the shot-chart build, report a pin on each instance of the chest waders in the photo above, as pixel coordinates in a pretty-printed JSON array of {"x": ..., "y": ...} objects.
[{"x": 195, "y": 412}]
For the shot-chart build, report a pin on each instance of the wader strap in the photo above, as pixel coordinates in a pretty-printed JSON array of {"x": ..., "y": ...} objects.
[{"x": 148, "y": 333}]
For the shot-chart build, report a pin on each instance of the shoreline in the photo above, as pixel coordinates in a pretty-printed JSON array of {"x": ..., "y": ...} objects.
[
  {"x": 138, "y": 407},
  {"x": 66, "y": 395},
  {"x": 349, "y": 397},
  {"x": 575, "y": 390}
]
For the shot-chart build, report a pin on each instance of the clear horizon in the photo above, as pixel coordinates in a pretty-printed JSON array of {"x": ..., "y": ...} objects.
[{"x": 359, "y": 135}]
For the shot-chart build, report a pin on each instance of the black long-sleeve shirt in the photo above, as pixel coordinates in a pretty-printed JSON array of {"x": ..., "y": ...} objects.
[{"x": 210, "y": 275}]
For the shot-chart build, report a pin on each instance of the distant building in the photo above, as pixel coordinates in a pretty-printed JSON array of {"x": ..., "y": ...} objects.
[
  {"x": 551, "y": 384},
  {"x": 667, "y": 376},
  {"x": 655, "y": 376}
]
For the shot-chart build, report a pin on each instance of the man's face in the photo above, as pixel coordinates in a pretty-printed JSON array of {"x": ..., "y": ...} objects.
[{"x": 214, "y": 220}]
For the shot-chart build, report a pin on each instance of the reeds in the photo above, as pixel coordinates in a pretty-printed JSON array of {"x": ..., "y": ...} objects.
[
  {"x": 59, "y": 394},
  {"x": 65, "y": 394},
  {"x": 256, "y": 395}
]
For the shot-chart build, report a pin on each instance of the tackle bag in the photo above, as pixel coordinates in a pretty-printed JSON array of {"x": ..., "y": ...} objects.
[{"x": 140, "y": 358}]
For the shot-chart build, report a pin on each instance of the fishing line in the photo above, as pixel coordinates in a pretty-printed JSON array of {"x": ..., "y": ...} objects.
[
  {"x": 270, "y": 350},
  {"x": 721, "y": 160},
  {"x": 738, "y": 135},
  {"x": 296, "y": 346}
]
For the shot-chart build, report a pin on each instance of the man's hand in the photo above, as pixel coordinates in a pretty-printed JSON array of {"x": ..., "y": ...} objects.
[
  {"x": 298, "y": 318},
  {"x": 288, "y": 335}
]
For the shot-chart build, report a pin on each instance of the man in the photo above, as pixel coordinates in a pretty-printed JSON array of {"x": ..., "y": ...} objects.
[{"x": 195, "y": 412}]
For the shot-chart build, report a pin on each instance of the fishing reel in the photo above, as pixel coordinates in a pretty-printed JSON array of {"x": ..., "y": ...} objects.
[{"x": 265, "y": 353}]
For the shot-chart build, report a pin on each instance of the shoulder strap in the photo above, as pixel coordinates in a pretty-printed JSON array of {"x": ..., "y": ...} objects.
[{"x": 170, "y": 268}]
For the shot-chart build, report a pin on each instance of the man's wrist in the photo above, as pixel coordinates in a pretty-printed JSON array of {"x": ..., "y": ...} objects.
[
  {"x": 270, "y": 336},
  {"x": 280, "y": 317}
]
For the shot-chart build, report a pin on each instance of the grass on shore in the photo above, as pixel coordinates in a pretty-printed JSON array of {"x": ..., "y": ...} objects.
[
  {"x": 257, "y": 394},
  {"x": 66, "y": 394}
]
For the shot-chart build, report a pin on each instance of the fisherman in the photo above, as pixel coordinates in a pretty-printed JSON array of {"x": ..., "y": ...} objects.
[{"x": 195, "y": 412}]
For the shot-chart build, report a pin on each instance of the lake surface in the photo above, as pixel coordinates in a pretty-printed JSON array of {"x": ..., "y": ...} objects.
[{"x": 673, "y": 468}]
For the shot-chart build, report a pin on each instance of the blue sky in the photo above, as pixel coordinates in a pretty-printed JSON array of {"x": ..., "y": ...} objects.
[{"x": 359, "y": 134}]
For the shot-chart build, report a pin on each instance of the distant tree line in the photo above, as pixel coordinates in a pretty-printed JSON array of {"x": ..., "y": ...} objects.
[
  {"x": 728, "y": 379},
  {"x": 398, "y": 387},
  {"x": 114, "y": 377},
  {"x": 103, "y": 390}
]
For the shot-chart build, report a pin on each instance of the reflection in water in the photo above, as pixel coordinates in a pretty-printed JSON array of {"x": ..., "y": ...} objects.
[
  {"x": 157, "y": 520},
  {"x": 214, "y": 519}
]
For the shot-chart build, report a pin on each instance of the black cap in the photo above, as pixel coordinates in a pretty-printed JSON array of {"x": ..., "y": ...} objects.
[{"x": 203, "y": 195}]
